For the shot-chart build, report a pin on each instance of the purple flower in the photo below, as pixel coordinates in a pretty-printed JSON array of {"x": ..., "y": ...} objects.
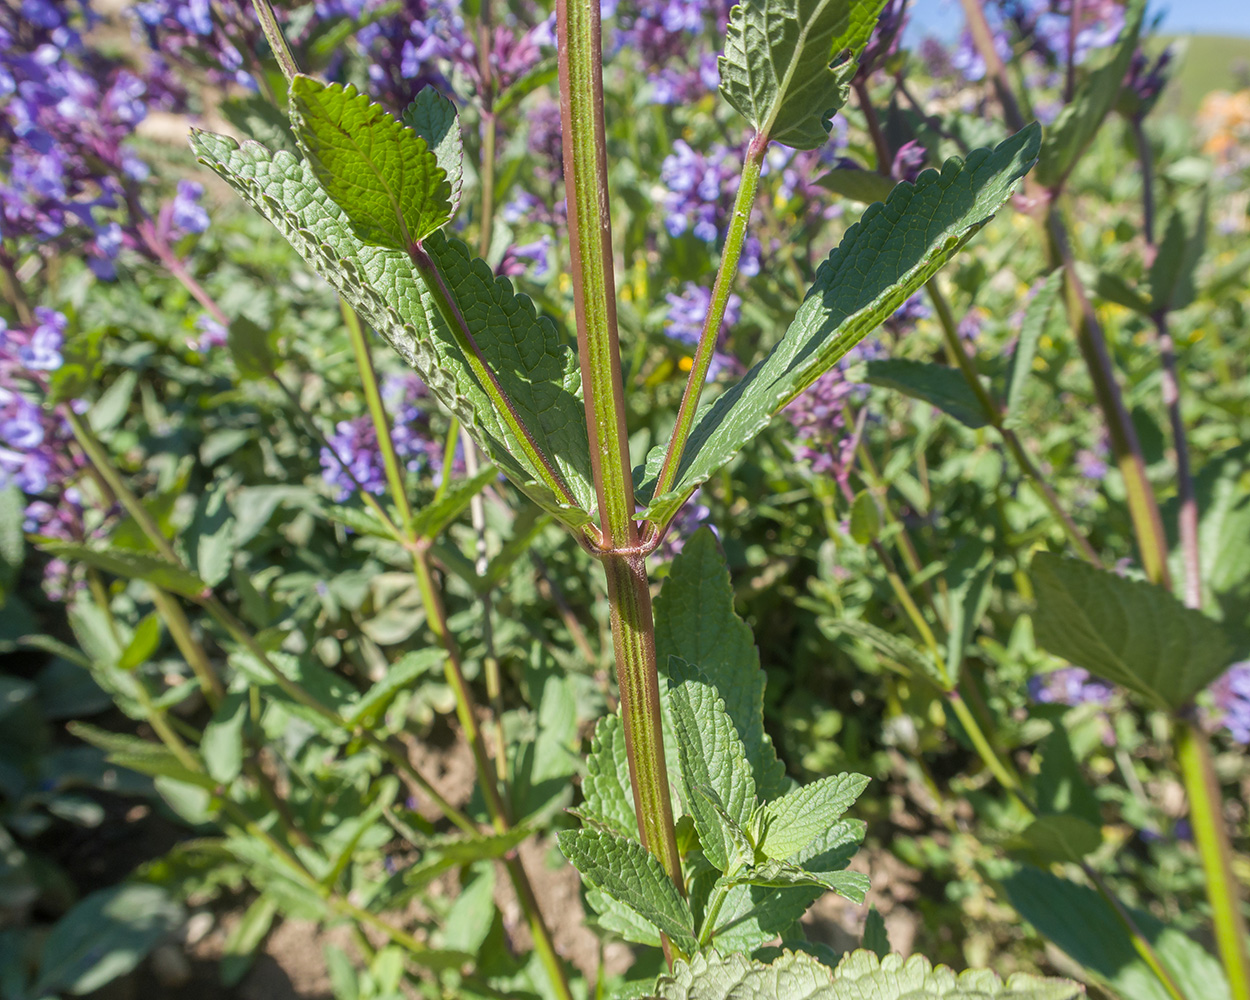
[
  {"x": 528, "y": 258},
  {"x": 686, "y": 315},
  {"x": 213, "y": 335},
  {"x": 1069, "y": 686},
  {"x": 1232, "y": 701},
  {"x": 42, "y": 349},
  {"x": 908, "y": 161},
  {"x": 188, "y": 215},
  {"x": 819, "y": 417},
  {"x": 700, "y": 190}
]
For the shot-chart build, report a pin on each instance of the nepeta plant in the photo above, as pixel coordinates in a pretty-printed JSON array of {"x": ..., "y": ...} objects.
[{"x": 737, "y": 854}]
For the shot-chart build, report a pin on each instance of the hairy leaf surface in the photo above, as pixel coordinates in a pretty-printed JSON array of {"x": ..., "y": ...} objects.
[
  {"x": 893, "y": 250},
  {"x": 776, "y": 68},
  {"x": 794, "y": 821},
  {"x": 433, "y": 117},
  {"x": 535, "y": 363}
]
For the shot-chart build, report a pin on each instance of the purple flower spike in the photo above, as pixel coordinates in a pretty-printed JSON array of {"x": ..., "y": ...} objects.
[{"x": 1069, "y": 686}]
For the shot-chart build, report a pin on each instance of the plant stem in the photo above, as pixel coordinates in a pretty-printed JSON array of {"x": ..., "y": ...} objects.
[
  {"x": 180, "y": 629},
  {"x": 486, "y": 378},
  {"x": 466, "y": 711},
  {"x": 381, "y": 422},
  {"x": 993, "y": 414},
  {"x": 879, "y": 143},
  {"x": 277, "y": 42},
  {"x": 983, "y": 38},
  {"x": 727, "y": 270},
  {"x": 1211, "y": 838},
  {"x": 594, "y": 294}
]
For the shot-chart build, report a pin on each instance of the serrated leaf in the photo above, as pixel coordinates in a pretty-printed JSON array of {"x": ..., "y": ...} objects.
[
  {"x": 140, "y": 755},
  {"x": 1125, "y": 631},
  {"x": 1084, "y": 925},
  {"x": 433, "y": 117},
  {"x": 609, "y": 799},
  {"x": 131, "y": 566},
  {"x": 777, "y": 72},
  {"x": 939, "y": 385},
  {"x": 1036, "y": 315},
  {"x": 875, "y": 939},
  {"x": 1067, "y": 138},
  {"x": 620, "y": 919},
  {"x": 629, "y": 873},
  {"x": 377, "y": 169},
  {"x": 794, "y": 821},
  {"x": 535, "y": 363},
  {"x": 776, "y": 874},
  {"x": 861, "y": 975},
  {"x": 883, "y": 259},
  {"x": 256, "y": 117},
  {"x": 431, "y": 520},
  {"x": 695, "y": 620},
  {"x": 711, "y": 757}
]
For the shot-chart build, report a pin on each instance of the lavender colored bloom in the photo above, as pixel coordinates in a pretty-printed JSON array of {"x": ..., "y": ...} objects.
[
  {"x": 1232, "y": 701},
  {"x": 819, "y": 416},
  {"x": 908, "y": 161},
  {"x": 188, "y": 215},
  {"x": 1145, "y": 82},
  {"x": 686, "y": 315},
  {"x": 213, "y": 335},
  {"x": 700, "y": 190},
  {"x": 527, "y": 257},
  {"x": 1069, "y": 686},
  {"x": 42, "y": 348},
  {"x": 907, "y": 315}
]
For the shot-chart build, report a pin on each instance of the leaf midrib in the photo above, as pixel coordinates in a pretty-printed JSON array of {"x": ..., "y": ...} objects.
[{"x": 784, "y": 82}]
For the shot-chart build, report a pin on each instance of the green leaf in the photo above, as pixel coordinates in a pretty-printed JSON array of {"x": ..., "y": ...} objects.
[
  {"x": 541, "y": 75},
  {"x": 143, "y": 644},
  {"x": 784, "y": 874},
  {"x": 1223, "y": 490},
  {"x": 12, "y": 540},
  {"x": 1067, "y": 138},
  {"x": 857, "y": 184},
  {"x": 1127, "y": 632},
  {"x": 794, "y": 821},
  {"x": 940, "y": 385},
  {"x": 609, "y": 800},
  {"x": 865, "y": 518},
  {"x": 433, "y": 117},
  {"x": 889, "y": 254},
  {"x": 695, "y": 621},
  {"x": 1061, "y": 785},
  {"x": 430, "y": 521},
  {"x": 377, "y": 169},
  {"x": 110, "y": 409},
  {"x": 1053, "y": 839},
  {"x": 861, "y": 975},
  {"x": 209, "y": 537},
  {"x": 245, "y": 939},
  {"x": 711, "y": 758},
  {"x": 256, "y": 117},
  {"x": 1084, "y": 925},
  {"x": 222, "y": 745},
  {"x": 140, "y": 755},
  {"x": 968, "y": 595},
  {"x": 105, "y": 936},
  {"x": 131, "y": 566},
  {"x": 1036, "y": 315},
  {"x": 1184, "y": 240},
  {"x": 253, "y": 348},
  {"x": 629, "y": 873},
  {"x": 777, "y": 72},
  {"x": 1110, "y": 286},
  {"x": 369, "y": 710},
  {"x": 534, "y": 361},
  {"x": 902, "y": 652},
  {"x": 875, "y": 939}
]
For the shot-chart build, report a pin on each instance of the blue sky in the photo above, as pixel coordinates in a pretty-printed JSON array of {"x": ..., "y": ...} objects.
[{"x": 1211, "y": 17}]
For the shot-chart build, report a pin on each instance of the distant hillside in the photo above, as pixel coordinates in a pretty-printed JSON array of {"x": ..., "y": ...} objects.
[{"x": 1207, "y": 63}]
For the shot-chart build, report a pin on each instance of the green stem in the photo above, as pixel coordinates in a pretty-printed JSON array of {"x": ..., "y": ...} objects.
[
  {"x": 712, "y": 911},
  {"x": 1211, "y": 838},
  {"x": 594, "y": 295},
  {"x": 466, "y": 711},
  {"x": 381, "y": 422},
  {"x": 726, "y": 272},
  {"x": 993, "y": 414},
  {"x": 486, "y": 378},
  {"x": 192, "y": 651},
  {"x": 277, "y": 41},
  {"x": 487, "y": 223},
  {"x": 590, "y": 245},
  {"x": 449, "y": 459}
]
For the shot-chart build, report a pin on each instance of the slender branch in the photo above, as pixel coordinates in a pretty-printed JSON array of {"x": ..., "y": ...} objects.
[
  {"x": 277, "y": 41},
  {"x": 983, "y": 39},
  {"x": 879, "y": 143},
  {"x": 727, "y": 270},
  {"x": 488, "y": 380},
  {"x": 594, "y": 294},
  {"x": 192, "y": 651}
]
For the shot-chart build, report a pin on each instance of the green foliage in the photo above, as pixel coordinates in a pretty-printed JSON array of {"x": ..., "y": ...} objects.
[
  {"x": 940, "y": 385},
  {"x": 893, "y": 250},
  {"x": 433, "y": 117},
  {"x": 776, "y": 68},
  {"x": 1128, "y": 632},
  {"x": 1036, "y": 316},
  {"x": 861, "y": 975},
  {"x": 381, "y": 172}
]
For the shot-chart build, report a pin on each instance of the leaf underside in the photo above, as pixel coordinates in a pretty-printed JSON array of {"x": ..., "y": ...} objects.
[
  {"x": 776, "y": 68},
  {"x": 861, "y": 975},
  {"x": 893, "y": 250},
  {"x": 535, "y": 363}
]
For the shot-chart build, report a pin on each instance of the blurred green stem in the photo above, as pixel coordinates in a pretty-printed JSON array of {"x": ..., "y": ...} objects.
[{"x": 277, "y": 41}]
